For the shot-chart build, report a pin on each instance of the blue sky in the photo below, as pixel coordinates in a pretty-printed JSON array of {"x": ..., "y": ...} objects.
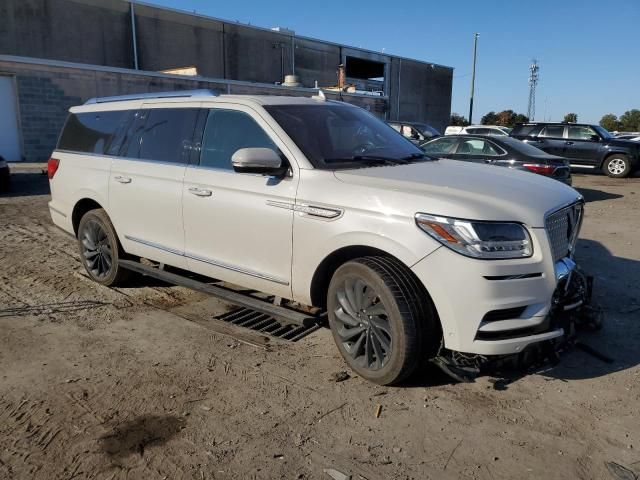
[{"x": 587, "y": 49}]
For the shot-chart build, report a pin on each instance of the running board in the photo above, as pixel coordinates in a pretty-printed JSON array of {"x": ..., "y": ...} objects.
[{"x": 285, "y": 315}]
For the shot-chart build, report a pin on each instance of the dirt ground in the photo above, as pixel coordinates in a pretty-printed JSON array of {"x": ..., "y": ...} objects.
[{"x": 141, "y": 383}]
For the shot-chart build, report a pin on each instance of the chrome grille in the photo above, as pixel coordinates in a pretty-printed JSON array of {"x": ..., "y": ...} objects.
[{"x": 562, "y": 228}]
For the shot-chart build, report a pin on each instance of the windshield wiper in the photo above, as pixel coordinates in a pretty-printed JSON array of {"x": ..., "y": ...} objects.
[{"x": 369, "y": 160}]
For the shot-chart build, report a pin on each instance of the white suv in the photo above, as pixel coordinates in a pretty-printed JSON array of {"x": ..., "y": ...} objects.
[
  {"x": 322, "y": 203},
  {"x": 492, "y": 130}
]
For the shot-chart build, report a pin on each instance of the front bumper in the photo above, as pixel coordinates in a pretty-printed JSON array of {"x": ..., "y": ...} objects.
[{"x": 495, "y": 307}]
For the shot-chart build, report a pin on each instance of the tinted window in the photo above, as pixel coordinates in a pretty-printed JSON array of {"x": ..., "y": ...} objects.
[
  {"x": 90, "y": 132},
  {"x": 472, "y": 131},
  {"x": 162, "y": 134},
  {"x": 440, "y": 146},
  {"x": 553, "y": 131},
  {"x": 524, "y": 130},
  {"x": 337, "y": 135},
  {"x": 226, "y": 132},
  {"x": 580, "y": 133},
  {"x": 477, "y": 146}
]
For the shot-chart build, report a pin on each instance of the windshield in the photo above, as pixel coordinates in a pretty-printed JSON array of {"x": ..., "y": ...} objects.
[
  {"x": 336, "y": 135},
  {"x": 603, "y": 133}
]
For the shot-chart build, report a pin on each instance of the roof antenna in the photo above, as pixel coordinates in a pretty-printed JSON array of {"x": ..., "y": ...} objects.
[{"x": 320, "y": 97}]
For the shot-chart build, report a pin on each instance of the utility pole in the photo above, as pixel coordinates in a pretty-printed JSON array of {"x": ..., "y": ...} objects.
[
  {"x": 534, "y": 68},
  {"x": 473, "y": 75}
]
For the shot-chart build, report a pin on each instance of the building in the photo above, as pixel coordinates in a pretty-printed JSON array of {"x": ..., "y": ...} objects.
[{"x": 58, "y": 53}]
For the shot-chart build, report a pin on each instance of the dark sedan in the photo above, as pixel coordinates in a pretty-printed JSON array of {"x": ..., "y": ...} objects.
[{"x": 499, "y": 151}]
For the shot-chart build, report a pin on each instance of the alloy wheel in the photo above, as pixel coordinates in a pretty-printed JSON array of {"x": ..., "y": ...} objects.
[
  {"x": 617, "y": 166},
  {"x": 363, "y": 324},
  {"x": 96, "y": 249}
]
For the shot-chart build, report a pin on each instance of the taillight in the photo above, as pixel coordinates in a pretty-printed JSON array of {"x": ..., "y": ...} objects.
[
  {"x": 52, "y": 167},
  {"x": 540, "y": 168}
]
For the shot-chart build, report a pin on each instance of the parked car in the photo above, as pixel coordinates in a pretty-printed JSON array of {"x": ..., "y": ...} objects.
[
  {"x": 586, "y": 146},
  {"x": 633, "y": 138},
  {"x": 5, "y": 176},
  {"x": 493, "y": 130},
  {"x": 500, "y": 151},
  {"x": 280, "y": 195},
  {"x": 416, "y": 132}
]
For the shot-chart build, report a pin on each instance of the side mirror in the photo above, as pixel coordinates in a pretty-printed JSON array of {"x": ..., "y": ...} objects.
[
  {"x": 595, "y": 138},
  {"x": 264, "y": 161}
]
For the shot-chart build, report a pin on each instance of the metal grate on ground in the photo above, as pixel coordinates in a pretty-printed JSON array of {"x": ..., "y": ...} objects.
[{"x": 263, "y": 323}]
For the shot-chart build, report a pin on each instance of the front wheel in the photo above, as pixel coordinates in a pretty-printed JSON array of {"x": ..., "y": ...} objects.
[
  {"x": 100, "y": 249},
  {"x": 380, "y": 319},
  {"x": 617, "y": 166}
]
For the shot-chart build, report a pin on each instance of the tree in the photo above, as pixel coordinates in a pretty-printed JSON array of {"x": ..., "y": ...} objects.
[
  {"x": 571, "y": 118},
  {"x": 521, "y": 118},
  {"x": 610, "y": 122},
  {"x": 506, "y": 118},
  {"x": 489, "y": 119},
  {"x": 458, "y": 120},
  {"x": 630, "y": 121}
]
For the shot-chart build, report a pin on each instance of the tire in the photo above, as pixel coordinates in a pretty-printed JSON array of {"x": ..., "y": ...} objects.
[
  {"x": 617, "y": 166},
  {"x": 382, "y": 320},
  {"x": 100, "y": 249}
]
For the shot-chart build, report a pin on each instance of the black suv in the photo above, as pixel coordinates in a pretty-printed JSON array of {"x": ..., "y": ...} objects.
[{"x": 586, "y": 146}]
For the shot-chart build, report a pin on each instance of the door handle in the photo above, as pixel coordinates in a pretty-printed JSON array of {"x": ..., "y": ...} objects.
[
  {"x": 200, "y": 192},
  {"x": 120, "y": 179},
  {"x": 568, "y": 143}
]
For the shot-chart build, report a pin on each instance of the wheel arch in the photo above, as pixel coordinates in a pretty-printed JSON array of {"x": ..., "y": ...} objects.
[
  {"x": 81, "y": 207},
  {"x": 326, "y": 268}
]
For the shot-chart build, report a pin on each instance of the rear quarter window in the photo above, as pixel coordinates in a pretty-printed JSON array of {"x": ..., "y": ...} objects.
[{"x": 90, "y": 132}]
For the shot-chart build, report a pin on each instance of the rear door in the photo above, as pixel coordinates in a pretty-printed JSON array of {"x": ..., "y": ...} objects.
[
  {"x": 145, "y": 185},
  {"x": 477, "y": 150},
  {"x": 443, "y": 147},
  {"x": 580, "y": 146},
  {"x": 550, "y": 139},
  {"x": 238, "y": 226}
]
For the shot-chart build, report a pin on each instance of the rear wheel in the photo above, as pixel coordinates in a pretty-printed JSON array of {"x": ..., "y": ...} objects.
[
  {"x": 381, "y": 322},
  {"x": 100, "y": 249},
  {"x": 617, "y": 166}
]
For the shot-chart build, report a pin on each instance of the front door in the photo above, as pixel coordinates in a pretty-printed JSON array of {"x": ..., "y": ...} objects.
[
  {"x": 581, "y": 148},
  {"x": 238, "y": 226},
  {"x": 145, "y": 185}
]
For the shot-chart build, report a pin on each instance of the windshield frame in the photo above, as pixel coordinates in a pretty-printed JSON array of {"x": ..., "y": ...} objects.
[
  {"x": 603, "y": 132},
  {"x": 309, "y": 128}
]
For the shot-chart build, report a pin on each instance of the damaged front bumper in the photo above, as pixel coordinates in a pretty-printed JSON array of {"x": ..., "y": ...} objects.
[{"x": 571, "y": 307}]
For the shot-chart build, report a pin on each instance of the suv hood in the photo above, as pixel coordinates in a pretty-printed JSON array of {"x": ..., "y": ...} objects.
[{"x": 461, "y": 190}]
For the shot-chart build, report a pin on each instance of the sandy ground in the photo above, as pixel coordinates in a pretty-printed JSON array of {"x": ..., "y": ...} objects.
[{"x": 141, "y": 383}]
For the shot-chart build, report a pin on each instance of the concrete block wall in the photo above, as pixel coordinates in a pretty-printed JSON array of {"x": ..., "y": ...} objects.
[
  {"x": 99, "y": 32},
  {"x": 46, "y": 91}
]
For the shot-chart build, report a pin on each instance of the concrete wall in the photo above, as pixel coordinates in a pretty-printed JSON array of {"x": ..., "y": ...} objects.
[
  {"x": 419, "y": 92},
  {"x": 93, "y": 31},
  {"x": 46, "y": 90},
  {"x": 99, "y": 32}
]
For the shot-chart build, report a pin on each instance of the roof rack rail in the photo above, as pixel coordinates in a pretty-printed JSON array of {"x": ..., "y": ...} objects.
[{"x": 142, "y": 96}]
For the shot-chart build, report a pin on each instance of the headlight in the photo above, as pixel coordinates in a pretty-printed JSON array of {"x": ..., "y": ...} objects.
[{"x": 487, "y": 240}]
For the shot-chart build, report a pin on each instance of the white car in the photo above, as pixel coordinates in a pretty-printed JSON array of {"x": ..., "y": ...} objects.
[
  {"x": 493, "y": 130},
  {"x": 322, "y": 203}
]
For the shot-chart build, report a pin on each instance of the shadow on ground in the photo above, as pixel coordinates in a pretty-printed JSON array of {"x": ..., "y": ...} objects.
[
  {"x": 591, "y": 195},
  {"x": 131, "y": 438},
  {"x": 24, "y": 184}
]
